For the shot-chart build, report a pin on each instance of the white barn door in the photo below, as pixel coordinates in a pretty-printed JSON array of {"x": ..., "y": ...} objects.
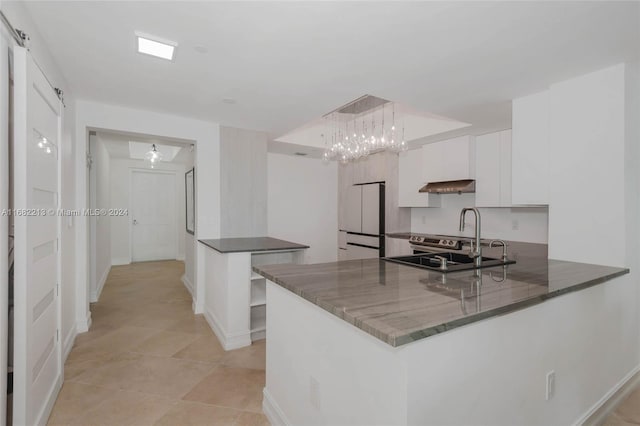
[{"x": 36, "y": 157}]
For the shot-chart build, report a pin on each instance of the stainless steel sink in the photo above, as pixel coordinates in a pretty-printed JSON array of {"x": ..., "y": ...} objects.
[{"x": 446, "y": 261}]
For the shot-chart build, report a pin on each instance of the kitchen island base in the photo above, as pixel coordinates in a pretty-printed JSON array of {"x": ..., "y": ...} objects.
[
  {"x": 323, "y": 371},
  {"x": 235, "y": 296}
]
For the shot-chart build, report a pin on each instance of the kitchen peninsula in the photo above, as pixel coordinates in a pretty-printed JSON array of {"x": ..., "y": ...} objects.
[
  {"x": 235, "y": 302},
  {"x": 375, "y": 342}
]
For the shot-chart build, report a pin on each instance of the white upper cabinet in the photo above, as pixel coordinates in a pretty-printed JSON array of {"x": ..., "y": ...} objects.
[
  {"x": 493, "y": 169},
  {"x": 448, "y": 160},
  {"x": 530, "y": 150},
  {"x": 411, "y": 179}
]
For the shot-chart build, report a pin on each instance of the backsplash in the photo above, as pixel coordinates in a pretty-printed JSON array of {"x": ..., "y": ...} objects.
[{"x": 528, "y": 224}]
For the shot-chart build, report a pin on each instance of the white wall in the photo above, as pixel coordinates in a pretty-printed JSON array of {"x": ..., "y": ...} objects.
[
  {"x": 632, "y": 174},
  {"x": 120, "y": 189},
  {"x": 587, "y": 168},
  {"x": 190, "y": 242},
  {"x": 20, "y": 18},
  {"x": 531, "y": 222},
  {"x": 302, "y": 204},
  {"x": 243, "y": 186},
  {"x": 102, "y": 164}
]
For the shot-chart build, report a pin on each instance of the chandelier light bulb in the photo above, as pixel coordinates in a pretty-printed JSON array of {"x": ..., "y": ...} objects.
[{"x": 361, "y": 135}]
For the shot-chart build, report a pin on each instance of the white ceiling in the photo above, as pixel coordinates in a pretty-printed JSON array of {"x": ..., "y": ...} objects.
[
  {"x": 119, "y": 146},
  {"x": 411, "y": 125},
  {"x": 288, "y": 63}
]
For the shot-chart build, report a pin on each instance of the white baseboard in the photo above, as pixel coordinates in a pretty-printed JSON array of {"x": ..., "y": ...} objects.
[
  {"x": 95, "y": 295},
  {"x": 197, "y": 306},
  {"x": 188, "y": 284},
  {"x": 273, "y": 412},
  {"x": 68, "y": 342},
  {"x": 228, "y": 341},
  {"x": 120, "y": 261},
  {"x": 83, "y": 324},
  {"x": 601, "y": 409}
]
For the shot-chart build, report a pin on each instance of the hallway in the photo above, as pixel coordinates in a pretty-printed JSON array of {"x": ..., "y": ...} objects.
[{"x": 149, "y": 360}]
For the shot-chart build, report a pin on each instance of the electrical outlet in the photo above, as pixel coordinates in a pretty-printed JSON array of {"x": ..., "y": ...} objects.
[
  {"x": 515, "y": 225},
  {"x": 314, "y": 392},
  {"x": 424, "y": 220},
  {"x": 551, "y": 385}
]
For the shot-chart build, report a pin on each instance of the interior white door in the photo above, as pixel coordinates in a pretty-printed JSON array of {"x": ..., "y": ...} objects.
[
  {"x": 36, "y": 159},
  {"x": 153, "y": 215}
]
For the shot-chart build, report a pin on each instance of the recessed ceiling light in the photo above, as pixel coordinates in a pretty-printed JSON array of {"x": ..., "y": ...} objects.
[
  {"x": 229, "y": 101},
  {"x": 155, "y": 47}
]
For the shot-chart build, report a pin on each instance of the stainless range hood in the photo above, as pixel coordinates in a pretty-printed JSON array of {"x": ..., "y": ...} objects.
[{"x": 462, "y": 186}]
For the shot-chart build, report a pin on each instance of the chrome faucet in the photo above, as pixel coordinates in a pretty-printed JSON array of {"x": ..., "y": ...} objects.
[
  {"x": 476, "y": 253},
  {"x": 504, "y": 248}
]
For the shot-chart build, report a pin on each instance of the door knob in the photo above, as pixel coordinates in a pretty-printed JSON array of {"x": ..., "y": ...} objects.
[{"x": 135, "y": 222}]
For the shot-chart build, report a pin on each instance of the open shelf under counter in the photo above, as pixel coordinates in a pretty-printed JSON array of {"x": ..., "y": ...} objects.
[
  {"x": 258, "y": 293},
  {"x": 241, "y": 317},
  {"x": 258, "y": 322}
]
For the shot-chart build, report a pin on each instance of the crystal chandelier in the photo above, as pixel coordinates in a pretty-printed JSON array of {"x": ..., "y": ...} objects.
[
  {"x": 153, "y": 156},
  {"x": 362, "y": 127}
]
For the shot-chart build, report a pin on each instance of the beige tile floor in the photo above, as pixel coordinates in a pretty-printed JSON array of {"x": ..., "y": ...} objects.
[
  {"x": 627, "y": 413},
  {"x": 148, "y": 360}
]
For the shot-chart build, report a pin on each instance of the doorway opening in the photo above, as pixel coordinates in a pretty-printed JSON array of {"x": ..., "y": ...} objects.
[{"x": 136, "y": 207}]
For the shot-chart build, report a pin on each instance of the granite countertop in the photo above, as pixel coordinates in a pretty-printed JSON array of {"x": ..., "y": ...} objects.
[
  {"x": 400, "y": 304},
  {"x": 237, "y": 245}
]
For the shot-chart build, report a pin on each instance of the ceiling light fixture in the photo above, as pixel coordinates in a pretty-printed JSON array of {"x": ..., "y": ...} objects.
[
  {"x": 362, "y": 127},
  {"x": 153, "y": 157},
  {"x": 155, "y": 47}
]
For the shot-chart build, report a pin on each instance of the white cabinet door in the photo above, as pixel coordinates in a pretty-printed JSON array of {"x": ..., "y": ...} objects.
[
  {"x": 447, "y": 160},
  {"x": 371, "y": 208},
  {"x": 493, "y": 169},
  {"x": 411, "y": 179},
  {"x": 353, "y": 206},
  {"x": 530, "y": 150},
  {"x": 488, "y": 170},
  {"x": 506, "y": 174}
]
